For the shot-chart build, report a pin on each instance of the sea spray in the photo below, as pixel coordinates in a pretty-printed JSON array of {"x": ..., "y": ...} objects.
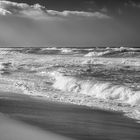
[
  {"x": 66, "y": 50},
  {"x": 97, "y": 89},
  {"x": 115, "y": 52}
]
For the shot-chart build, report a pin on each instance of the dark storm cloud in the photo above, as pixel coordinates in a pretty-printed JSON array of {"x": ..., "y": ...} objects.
[
  {"x": 36, "y": 25},
  {"x": 71, "y": 22},
  {"x": 134, "y": 4}
]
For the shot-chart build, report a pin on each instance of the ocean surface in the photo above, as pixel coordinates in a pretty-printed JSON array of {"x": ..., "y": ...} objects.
[{"x": 98, "y": 77}]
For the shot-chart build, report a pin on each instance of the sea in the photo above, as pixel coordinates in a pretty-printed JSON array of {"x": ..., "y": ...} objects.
[{"x": 106, "y": 78}]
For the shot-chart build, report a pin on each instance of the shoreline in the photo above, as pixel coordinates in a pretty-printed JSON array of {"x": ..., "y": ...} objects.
[
  {"x": 78, "y": 122},
  {"x": 94, "y": 105},
  {"x": 28, "y": 86}
]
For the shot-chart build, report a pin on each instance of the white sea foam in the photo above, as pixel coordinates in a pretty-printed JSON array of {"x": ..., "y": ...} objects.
[
  {"x": 112, "y": 51},
  {"x": 95, "y": 61},
  {"x": 66, "y": 50},
  {"x": 91, "y": 93},
  {"x": 97, "y": 89},
  {"x": 92, "y": 54},
  {"x": 49, "y": 48},
  {"x": 112, "y": 62}
]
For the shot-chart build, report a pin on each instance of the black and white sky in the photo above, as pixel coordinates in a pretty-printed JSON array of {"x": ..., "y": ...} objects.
[{"x": 69, "y": 23}]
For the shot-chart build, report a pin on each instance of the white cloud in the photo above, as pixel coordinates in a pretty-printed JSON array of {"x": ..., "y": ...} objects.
[
  {"x": 8, "y": 4},
  {"x": 77, "y": 13},
  {"x": 38, "y": 11},
  {"x": 20, "y": 8},
  {"x": 4, "y": 12}
]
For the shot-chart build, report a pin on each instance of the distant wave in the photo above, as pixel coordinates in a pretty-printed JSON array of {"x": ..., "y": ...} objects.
[
  {"x": 49, "y": 48},
  {"x": 53, "y": 50},
  {"x": 62, "y": 50},
  {"x": 87, "y": 52},
  {"x": 115, "y": 52},
  {"x": 92, "y": 54},
  {"x": 97, "y": 89},
  {"x": 66, "y": 50}
]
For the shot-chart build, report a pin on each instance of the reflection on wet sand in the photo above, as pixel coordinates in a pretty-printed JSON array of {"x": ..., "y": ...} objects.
[
  {"x": 15, "y": 130},
  {"x": 73, "y": 121}
]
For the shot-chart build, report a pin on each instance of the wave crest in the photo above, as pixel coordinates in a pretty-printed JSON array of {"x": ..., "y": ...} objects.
[
  {"x": 97, "y": 89},
  {"x": 66, "y": 50},
  {"x": 122, "y": 51}
]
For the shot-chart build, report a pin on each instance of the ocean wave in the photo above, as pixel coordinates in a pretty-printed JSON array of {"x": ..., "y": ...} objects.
[
  {"x": 5, "y": 51},
  {"x": 54, "y": 50},
  {"x": 97, "y": 89},
  {"x": 66, "y": 50},
  {"x": 49, "y": 48},
  {"x": 41, "y": 75},
  {"x": 92, "y": 54},
  {"x": 115, "y": 52},
  {"x": 124, "y": 62}
]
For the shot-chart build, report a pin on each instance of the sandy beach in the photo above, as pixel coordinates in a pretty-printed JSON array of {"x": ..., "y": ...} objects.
[
  {"x": 72, "y": 121},
  {"x": 69, "y": 97},
  {"x": 14, "y": 130},
  {"x": 69, "y": 69}
]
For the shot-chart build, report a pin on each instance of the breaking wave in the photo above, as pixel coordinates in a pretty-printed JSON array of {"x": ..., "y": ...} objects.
[
  {"x": 49, "y": 48},
  {"x": 87, "y": 52},
  {"x": 97, "y": 89},
  {"x": 110, "y": 84},
  {"x": 66, "y": 50},
  {"x": 115, "y": 52}
]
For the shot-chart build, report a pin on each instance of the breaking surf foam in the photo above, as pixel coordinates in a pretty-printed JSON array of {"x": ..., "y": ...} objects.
[
  {"x": 97, "y": 89},
  {"x": 115, "y": 52},
  {"x": 66, "y": 50}
]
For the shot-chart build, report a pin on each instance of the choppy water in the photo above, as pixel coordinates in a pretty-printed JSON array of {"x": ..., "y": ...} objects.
[
  {"x": 89, "y": 52},
  {"x": 107, "y": 78}
]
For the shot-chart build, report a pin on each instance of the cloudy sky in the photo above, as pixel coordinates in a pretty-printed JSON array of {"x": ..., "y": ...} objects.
[{"x": 69, "y": 23}]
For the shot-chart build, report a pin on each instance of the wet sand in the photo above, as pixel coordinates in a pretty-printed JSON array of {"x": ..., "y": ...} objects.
[
  {"x": 78, "y": 122},
  {"x": 15, "y": 130}
]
